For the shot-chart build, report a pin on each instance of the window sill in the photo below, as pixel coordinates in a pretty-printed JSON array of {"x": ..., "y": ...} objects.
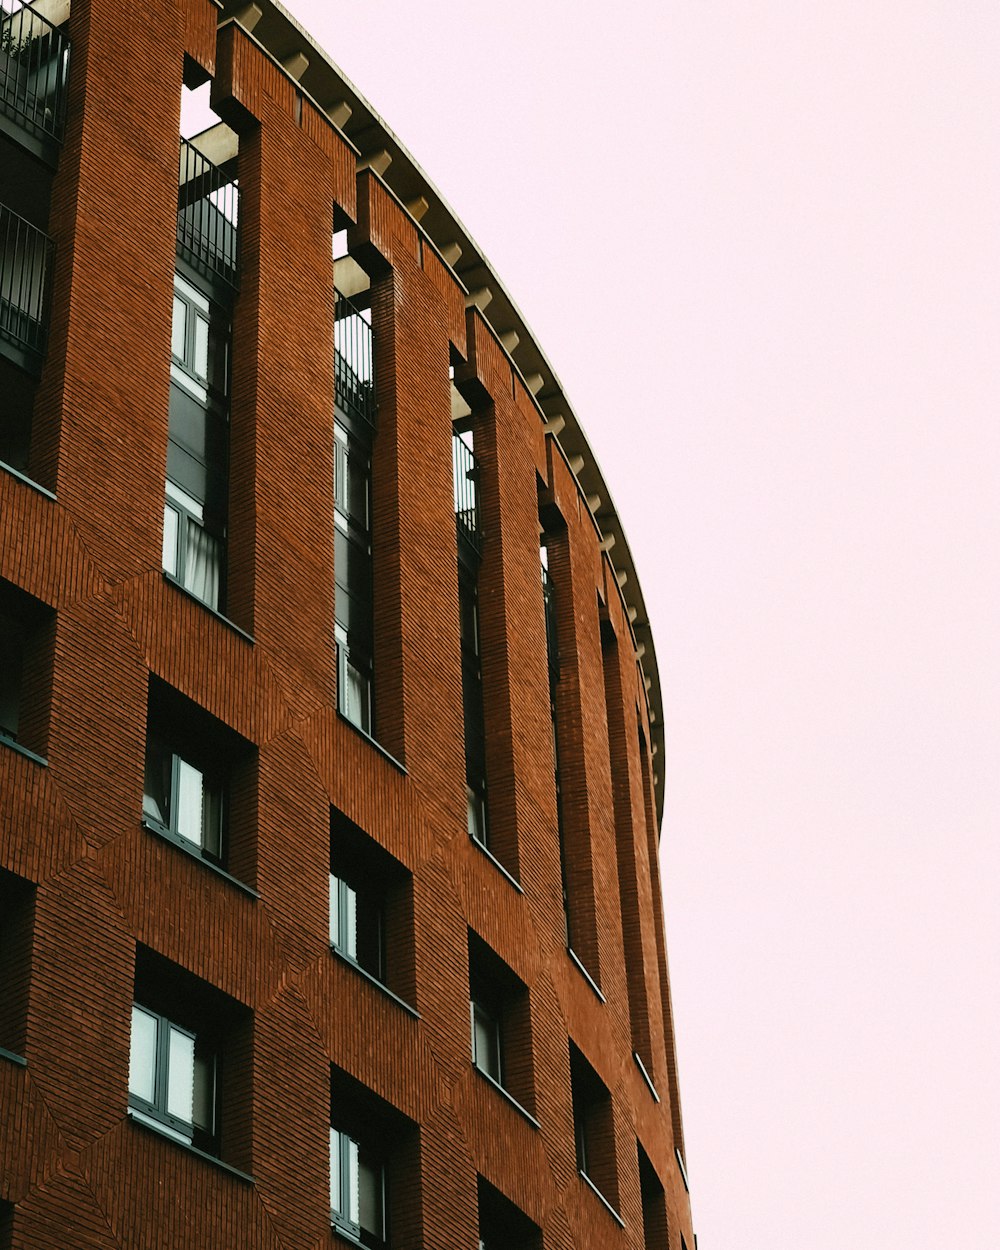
[
  {"x": 28, "y": 481},
  {"x": 373, "y": 980},
  {"x": 496, "y": 863},
  {"x": 508, "y": 1096},
  {"x": 161, "y": 831},
  {"x": 162, "y": 1135},
  {"x": 352, "y": 1239},
  {"x": 645, "y": 1076},
  {"x": 18, "y": 1061},
  {"x": 604, "y": 1202},
  {"x": 680, "y": 1164},
  {"x": 172, "y": 581},
  {"x": 14, "y": 745},
  {"x": 575, "y": 959},
  {"x": 374, "y": 742}
]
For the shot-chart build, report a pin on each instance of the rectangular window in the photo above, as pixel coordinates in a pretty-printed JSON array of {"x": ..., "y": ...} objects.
[
  {"x": 25, "y": 659},
  {"x": 502, "y": 1225},
  {"x": 356, "y": 925},
  {"x": 486, "y": 1040},
  {"x": 198, "y": 781},
  {"x": 12, "y": 646},
  {"x": 374, "y": 1164},
  {"x": 184, "y": 802},
  {"x": 196, "y": 505},
  {"x": 17, "y": 912},
  {"x": 357, "y": 1189},
  {"x": 593, "y": 1123},
  {"x": 654, "y": 1209},
  {"x": 371, "y": 907},
  {"x": 172, "y": 1079},
  {"x": 472, "y": 708},
  {"x": 500, "y": 1023},
  {"x": 354, "y": 611},
  {"x": 183, "y": 1033}
]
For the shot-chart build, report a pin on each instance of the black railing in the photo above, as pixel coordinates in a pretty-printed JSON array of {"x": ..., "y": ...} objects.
[
  {"x": 25, "y": 265},
  {"x": 34, "y": 68},
  {"x": 466, "y": 469},
  {"x": 551, "y": 630},
  {"x": 208, "y": 202},
  {"x": 354, "y": 360}
]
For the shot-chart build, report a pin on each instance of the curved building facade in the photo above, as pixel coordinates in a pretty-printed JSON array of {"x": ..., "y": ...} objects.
[{"x": 329, "y": 713}]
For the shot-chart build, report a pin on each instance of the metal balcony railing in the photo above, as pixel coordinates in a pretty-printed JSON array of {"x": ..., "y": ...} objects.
[
  {"x": 34, "y": 70},
  {"x": 551, "y": 630},
  {"x": 25, "y": 266},
  {"x": 354, "y": 361},
  {"x": 208, "y": 202},
  {"x": 466, "y": 469}
]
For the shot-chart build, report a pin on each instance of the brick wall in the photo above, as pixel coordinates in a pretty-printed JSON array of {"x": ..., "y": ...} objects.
[{"x": 107, "y": 891}]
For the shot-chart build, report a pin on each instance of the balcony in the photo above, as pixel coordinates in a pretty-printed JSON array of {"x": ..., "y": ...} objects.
[
  {"x": 34, "y": 71},
  {"x": 354, "y": 363},
  {"x": 208, "y": 216},
  {"x": 25, "y": 265},
  {"x": 466, "y": 469}
]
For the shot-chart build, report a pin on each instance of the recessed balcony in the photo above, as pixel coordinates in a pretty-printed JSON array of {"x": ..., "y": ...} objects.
[
  {"x": 467, "y": 522},
  {"x": 354, "y": 362},
  {"x": 25, "y": 266},
  {"x": 208, "y": 215},
  {"x": 34, "y": 71}
]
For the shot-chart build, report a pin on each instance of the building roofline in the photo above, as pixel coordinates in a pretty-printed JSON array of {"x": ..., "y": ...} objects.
[{"x": 288, "y": 42}]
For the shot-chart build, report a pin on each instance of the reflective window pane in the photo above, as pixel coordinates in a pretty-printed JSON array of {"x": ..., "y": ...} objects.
[
  {"x": 336, "y": 1197},
  {"x": 178, "y": 330},
  {"x": 156, "y": 786},
  {"x": 334, "y": 910},
  {"x": 353, "y": 1182},
  {"x": 370, "y": 1194},
  {"x": 349, "y": 922},
  {"x": 171, "y": 522},
  {"x": 190, "y": 805},
  {"x": 180, "y": 1075},
  {"x": 203, "y": 1109},
  {"x": 201, "y": 347},
  {"x": 485, "y": 1042},
  {"x": 142, "y": 1055}
]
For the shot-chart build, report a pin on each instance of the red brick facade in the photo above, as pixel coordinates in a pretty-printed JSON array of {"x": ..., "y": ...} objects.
[{"x": 97, "y": 911}]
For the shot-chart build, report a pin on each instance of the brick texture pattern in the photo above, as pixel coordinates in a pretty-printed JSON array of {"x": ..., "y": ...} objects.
[{"x": 96, "y": 886}]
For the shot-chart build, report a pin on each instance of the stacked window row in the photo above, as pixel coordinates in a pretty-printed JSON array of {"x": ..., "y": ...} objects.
[{"x": 188, "y": 1076}]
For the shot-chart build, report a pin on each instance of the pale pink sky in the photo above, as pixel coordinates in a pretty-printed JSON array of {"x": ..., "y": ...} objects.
[{"x": 759, "y": 243}]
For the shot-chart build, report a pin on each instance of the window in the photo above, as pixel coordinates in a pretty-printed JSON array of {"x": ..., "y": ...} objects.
[
  {"x": 654, "y": 1208},
  {"x": 12, "y": 644},
  {"x": 593, "y": 1123},
  {"x": 194, "y": 515},
  {"x": 354, "y": 625},
  {"x": 357, "y": 1189},
  {"x": 356, "y": 926},
  {"x": 25, "y": 645},
  {"x": 374, "y": 1164},
  {"x": 371, "y": 908},
  {"x": 198, "y": 784},
  {"x": 189, "y": 1071},
  {"x": 500, "y": 1024},
  {"x": 472, "y": 707},
  {"x": 171, "y": 1080},
  {"x": 486, "y": 1040},
  {"x": 17, "y": 910},
  {"x": 182, "y": 801},
  {"x": 502, "y": 1225}
]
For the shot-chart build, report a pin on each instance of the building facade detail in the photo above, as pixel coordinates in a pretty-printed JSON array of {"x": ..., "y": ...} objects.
[{"x": 330, "y": 910}]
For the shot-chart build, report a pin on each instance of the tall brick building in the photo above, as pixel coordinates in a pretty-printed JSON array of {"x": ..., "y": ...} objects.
[{"x": 329, "y": 713}]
